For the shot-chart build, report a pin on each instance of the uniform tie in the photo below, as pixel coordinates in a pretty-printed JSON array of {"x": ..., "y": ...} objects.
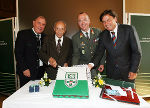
[
  {"x": 114, "y": 39},
  {"x": 87, "y": 35},
  {"x": 58, "y": 46}
]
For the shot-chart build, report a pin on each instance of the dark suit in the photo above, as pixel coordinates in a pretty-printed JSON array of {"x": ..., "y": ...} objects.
[
  {"x": 125, "y": 58},
  {"x": 27, "y": 55},
  {"x": 49, "y": 50}
]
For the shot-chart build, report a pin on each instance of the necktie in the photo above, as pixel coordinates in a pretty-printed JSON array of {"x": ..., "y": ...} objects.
[
  {"x": 87, "y": 35},
  {"x": 58, "y": 46},
  {"x": 38, "y": 45},
  {"x": 114, "y": 39},
  {"x": 38, "y": 42}
]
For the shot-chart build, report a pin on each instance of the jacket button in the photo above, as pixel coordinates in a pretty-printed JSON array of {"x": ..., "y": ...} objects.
[{"x": 116, "y": 65}]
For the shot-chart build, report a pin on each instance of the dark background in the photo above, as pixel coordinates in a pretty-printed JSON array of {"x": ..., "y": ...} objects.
[
  {"x": 7, "y": 8},
  {"x": 66, "y": 10}
]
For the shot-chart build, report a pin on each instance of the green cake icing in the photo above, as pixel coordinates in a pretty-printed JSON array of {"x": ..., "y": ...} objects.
[{"x": 79, "y": 91}]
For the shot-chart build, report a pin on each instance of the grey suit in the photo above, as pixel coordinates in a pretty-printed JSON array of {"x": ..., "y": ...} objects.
[{"x": 125, "y": 58}]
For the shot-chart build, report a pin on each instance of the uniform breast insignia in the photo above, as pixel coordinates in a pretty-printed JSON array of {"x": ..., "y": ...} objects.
[
  {"x": 82, "y": 47},
  {"x": 95, "y": 40}
]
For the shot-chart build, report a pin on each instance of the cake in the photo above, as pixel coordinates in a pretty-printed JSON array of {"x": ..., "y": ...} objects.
[{"x": 71, "y": 82}]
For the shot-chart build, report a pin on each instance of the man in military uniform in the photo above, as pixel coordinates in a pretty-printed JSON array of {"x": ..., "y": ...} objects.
[{"x": 85, "y": 42}]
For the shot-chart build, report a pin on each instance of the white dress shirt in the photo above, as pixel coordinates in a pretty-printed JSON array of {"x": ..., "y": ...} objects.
[
  {"x": 56, "y": 40},
  {"x": 115, "y": 30}
]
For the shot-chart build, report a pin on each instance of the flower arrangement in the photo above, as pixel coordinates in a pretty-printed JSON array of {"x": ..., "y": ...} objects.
[
  {"x": 98, "y": 81},
  {"x": 45, "y": 80}
]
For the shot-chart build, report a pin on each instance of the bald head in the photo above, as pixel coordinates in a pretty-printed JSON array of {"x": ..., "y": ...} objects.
[{"x": 60, "y": 28}]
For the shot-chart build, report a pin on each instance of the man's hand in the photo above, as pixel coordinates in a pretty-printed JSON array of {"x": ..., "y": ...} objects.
[
  {"x": 65, "y": 64},
  {"x": 90, "y": 66},
  {"x": 132, "y": 75},
  {"x": 27, "y": 73},
  {"x": 52, "y": 62},
  {"x": 101, "y": 68}
]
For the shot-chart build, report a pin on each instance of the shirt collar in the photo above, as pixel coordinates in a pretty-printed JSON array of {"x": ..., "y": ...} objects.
[
  {"x": 115, "y": 30},
  {"x": 56, "y": 38},
  {"x": 36, "y": 33},
  {"x": 85, "y": 32}
]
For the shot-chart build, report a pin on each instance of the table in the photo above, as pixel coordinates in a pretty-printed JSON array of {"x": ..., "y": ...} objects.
[{"x": 44, "y": 99}]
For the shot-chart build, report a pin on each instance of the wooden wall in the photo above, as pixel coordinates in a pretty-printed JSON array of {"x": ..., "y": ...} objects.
[
  {"x": 137, "y": 6},
  {"x": 7, "y": 8},
  {"x": 66, "y": 10}
]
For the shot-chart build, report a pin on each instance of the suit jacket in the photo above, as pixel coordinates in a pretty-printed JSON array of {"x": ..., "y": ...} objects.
[
  {"x": 26, "y": 53},
  {"x": 83, "y": 49},
  {"x": 125, "y": 58},
  {"x": 49, "y": 50}
]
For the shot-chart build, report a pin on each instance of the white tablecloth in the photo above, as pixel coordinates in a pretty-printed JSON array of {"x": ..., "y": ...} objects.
[{"x": 44, "y": 99}]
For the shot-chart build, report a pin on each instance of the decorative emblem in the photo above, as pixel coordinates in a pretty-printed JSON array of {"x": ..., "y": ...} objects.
[
  {"x": 95, "y": 40},
  {"x": 92, "y": 31},
  {"x": 81, "y": 35},
  {"x": 82, "y": 41},
  {"x": 83, "y": 51},
  {"x": 71, "y": 79}
]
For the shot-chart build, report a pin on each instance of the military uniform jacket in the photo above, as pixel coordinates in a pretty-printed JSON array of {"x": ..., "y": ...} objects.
[{"x": 83, "y": 48}]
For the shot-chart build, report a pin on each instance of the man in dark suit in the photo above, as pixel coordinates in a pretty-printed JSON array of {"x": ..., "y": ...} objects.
[
  {"x": 56, "y": 50},
  {"x": 85, "y": 42},
  {"x": 27, "y": 46},
  {"x": 123, "y": 51}
]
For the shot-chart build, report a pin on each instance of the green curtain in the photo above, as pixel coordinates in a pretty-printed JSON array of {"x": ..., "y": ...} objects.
[
  {"x": 7, "y": 68},
  {"x": 142, "y": 25}
]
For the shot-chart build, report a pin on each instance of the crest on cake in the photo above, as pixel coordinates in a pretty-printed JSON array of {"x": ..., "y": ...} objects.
[
  {"x": 71, "y": 82},
  {"x": 71, "y": 79}
]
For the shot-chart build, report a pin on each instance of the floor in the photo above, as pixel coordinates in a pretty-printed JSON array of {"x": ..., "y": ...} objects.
[
  {"x": 147, "y": 99},
  {"x": 3, "y": 97}
]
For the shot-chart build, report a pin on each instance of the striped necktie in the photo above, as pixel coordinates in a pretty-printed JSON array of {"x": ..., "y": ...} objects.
[
  {"x": 58, "y": 47},
  {"x": 114, "y": 39}
]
